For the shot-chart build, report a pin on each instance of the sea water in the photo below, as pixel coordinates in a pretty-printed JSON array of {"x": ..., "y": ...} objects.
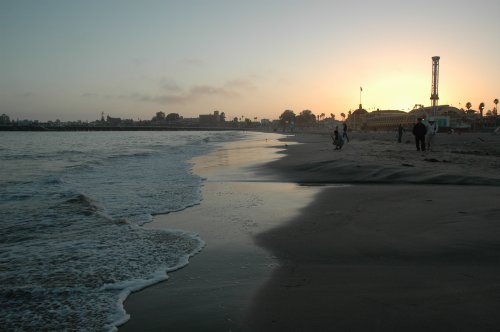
[{"x": 71, "y": 208}]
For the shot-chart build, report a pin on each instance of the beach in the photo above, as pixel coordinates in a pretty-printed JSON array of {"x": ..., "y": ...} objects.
[
  {"x": 215, "y": 291},
  {"x": 376, "y": 236}
]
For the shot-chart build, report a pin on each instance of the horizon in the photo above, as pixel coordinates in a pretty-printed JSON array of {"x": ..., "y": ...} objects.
[
  {"x": 254, "y": 119},
  {"x": 73, "y": 60}
]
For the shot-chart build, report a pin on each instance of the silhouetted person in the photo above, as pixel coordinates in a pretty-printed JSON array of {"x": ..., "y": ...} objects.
[
  {"x": 419, "y": 130},
  {"x": 344, "y": 132},
  {"x": 400, "y": 133},
  {"x": 432, "y": 130},
  {"x": 337, "y": 140}
]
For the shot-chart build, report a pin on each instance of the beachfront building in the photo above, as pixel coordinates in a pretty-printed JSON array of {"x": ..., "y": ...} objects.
[
  {"x": 446, "y": 116},
  {"x": 388, "y": 120},
  {"x": 361, "y": 119},
  {"x": 357, "y": 119}
]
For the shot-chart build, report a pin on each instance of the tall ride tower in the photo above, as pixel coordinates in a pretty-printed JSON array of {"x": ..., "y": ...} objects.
[{"x": 435, "y": 82}]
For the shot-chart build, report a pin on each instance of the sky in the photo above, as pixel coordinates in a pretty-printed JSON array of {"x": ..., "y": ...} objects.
[{"x": 74, "y": 60}]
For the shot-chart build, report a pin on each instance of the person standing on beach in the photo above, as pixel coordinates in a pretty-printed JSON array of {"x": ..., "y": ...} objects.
[
  {"x": 344, "y": 132},
  {"x": 419, "y": 130},
  {"x": 432, "y": 129},
  {"x": 400, "y": 133}
]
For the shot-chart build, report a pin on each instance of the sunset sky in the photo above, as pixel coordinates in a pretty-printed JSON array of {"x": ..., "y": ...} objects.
[{"x": 72, "y": 60}]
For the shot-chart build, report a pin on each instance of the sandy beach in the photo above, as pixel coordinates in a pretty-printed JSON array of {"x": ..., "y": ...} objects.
[
  {"x": 215, "y": 291},
  {"x": 376, "y": 236}
]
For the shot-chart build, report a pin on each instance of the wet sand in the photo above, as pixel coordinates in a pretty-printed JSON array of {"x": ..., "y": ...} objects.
[
  {"x": 215, "y": 291},
  {"x": 410, "y": 244}
]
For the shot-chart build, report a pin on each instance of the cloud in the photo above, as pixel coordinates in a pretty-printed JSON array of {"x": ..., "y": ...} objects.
[
  {"x": 170, "y": 86},
  {"x": 169, "y": 99},
  {"x": 89, "y": 95},
  {"x": 135, "y": 96},
  {"x": 200, "y": 90},
  {"x": 176, "y": 95},
  {"x": 159, "y": 99},
  {"x": 240, "y": 84},
  {"x": 192, "y": 62},
  {"x": 179, "y": 96},
  {"x": 163, "y": 99},
  {"x": 232, "y": 88}
]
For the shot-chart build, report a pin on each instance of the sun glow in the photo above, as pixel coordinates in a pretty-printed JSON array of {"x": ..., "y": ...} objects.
[{"x": 299, "y": 56}]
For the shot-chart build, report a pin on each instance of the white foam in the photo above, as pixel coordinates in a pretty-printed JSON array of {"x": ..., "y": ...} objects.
[
  {"x": 131, "y": 286},
  {"x": 77, "y": 250}
]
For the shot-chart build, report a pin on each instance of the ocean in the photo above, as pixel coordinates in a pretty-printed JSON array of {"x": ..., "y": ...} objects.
[{"x": 71, "y": 208}]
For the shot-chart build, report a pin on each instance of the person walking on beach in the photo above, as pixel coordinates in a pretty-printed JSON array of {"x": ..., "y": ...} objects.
[
  {"x": 400, "y": 133},
  {"x": 432, "y": 130},
  {"x": 344, "y": 132},
  {"x": 419, "y": 130}
]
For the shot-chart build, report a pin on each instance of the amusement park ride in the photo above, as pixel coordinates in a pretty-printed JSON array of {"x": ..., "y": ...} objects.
[{"x": 435, "y": 83}]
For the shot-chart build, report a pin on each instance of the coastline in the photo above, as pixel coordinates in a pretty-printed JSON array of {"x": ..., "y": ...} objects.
[
  {"x": 215, "y": 290},
  {"x": 384, "y": 253}
]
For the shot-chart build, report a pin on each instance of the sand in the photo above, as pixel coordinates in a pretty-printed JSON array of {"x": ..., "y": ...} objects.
[
  {"x": 407, "y": 241},
  {"x": 376, "y": 157},
  {"x": 386, "y": 258},
  {"x": 215, "y": 291}
]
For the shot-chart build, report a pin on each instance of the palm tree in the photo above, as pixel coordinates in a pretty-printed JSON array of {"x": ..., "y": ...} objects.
[
  {"x": 343, "y": 116},
  {"x": 468, "y": 106},
  {"x": 481, "y": 108},
  {"x": 496, "y": 104}
]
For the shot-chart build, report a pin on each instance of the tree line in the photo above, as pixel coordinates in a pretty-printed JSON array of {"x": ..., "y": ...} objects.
[{"x": 306, "y": 118}]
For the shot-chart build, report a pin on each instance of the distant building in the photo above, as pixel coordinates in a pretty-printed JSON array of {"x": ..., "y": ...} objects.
[
  {"x": 212, "y": 120},
  {"x": 388, "y": 119},
  {"x": 190, "y": 122},
  {"x": 446, "y": 116},
  {"x": 356, "y": 119},
  {"x": 113, "y": 121}
]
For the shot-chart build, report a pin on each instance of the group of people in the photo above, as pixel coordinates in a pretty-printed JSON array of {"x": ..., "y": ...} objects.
[
  {"x": 339, "y": 140},
  {"x": 424, "y": 134}
]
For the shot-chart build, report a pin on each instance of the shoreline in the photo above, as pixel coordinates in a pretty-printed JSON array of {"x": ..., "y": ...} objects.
[
  {"x": 215, "y": 290},
  {"x": 375, "y": 275}
]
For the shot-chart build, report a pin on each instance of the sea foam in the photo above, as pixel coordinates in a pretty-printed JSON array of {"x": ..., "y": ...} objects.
[{"x": 72, "y": 206}]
